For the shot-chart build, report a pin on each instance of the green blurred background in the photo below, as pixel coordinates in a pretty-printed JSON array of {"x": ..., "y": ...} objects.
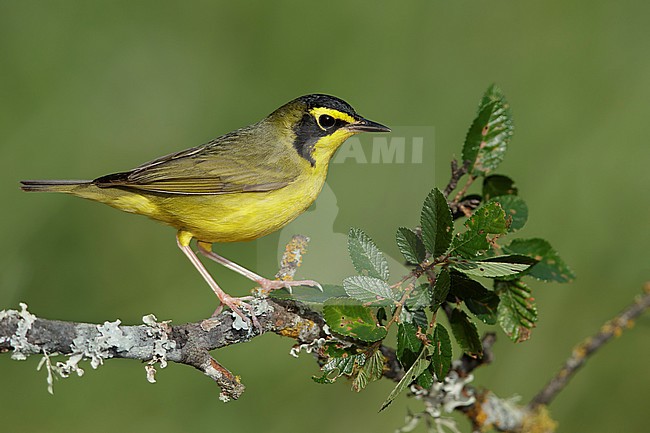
[{"x": 88, "y": 88}]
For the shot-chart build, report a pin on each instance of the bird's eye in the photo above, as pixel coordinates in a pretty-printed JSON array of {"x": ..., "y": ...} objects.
[{"x": 326, "y": 121}]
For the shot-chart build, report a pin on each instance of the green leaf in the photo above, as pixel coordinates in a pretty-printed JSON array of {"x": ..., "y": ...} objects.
[
  {"x": 338, "y": 366},
  {"x": 441, "y": 354},
  {"x": 489, "y": 219},
  {"x": 417, "y": 317},
  {"x": 349, "y": 317},
  {"x": 408, "y": 344},
  {"x": 517, "y": 312},
  {"x": 370, "y": 290},
  {"x": 515, "y": 208},
  {"x": 465, "y": 333},
  {"x": 410, "y": 245},
  {"x": 440, "y": 289},
  {"x": 381, "y": 315},
  {"x": 437, "y": 224},
  {"x": 421, "y": 363},
  {"x": 311, "y": 295},
  {"x": 420, "y": 297},
  {"x": 426, "y": 379},
  {"x": 487, "y": 139},
  {"x": 550, "y": 266},
  {"x": 512, "y": 258},
  {"x": 480, "y": 301},
  {"x": 486, "y": 269},
  {"x": 366, "y": 257},
  {"x": 323, "y": 379},
  {"x": 371, "y": 370},
  {"x": 492, "y": 94},
  {"x": 496, "y": 185},
  {"x": 420, "y": 319}
]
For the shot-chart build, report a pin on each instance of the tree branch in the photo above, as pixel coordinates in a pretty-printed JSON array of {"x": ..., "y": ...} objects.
[
  {"x": 580, "y": 354},
  {"x": 156, "y": 342}
]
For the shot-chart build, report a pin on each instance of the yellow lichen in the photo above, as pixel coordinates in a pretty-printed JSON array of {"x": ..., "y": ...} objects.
[{"x": 539, "y": 421}]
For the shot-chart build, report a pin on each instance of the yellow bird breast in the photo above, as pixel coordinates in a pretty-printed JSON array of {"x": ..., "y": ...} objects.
[{"x": 238, "y": 216}]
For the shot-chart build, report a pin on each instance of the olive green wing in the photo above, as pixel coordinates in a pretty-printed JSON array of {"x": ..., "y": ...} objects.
[{"x": 231, "y": 163}]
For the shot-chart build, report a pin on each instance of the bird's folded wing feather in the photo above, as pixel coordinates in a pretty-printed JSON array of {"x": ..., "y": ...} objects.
[{"x": 219, "y": 167}]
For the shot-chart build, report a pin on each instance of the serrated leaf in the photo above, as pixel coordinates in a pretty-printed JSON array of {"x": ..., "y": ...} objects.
[
  {"x": 348, "y": 317},
  {"x": 550, "y": 266},
  {"x": 421, "y": 363},
  {"x": 486, "y": 269},
  {"x": 487, "y": 139},
  {"x": 408, "y": 344},
  {"x": 465, "y": 332},
  {"x": 492, "y": 94},
  {"x": 441, "y": 353},
  {"x": 515, "y": 208},
  {"x": 366, "y": 257},
  {"x": 371, "y": 370},
  {"x": 311, "y": 295},
  {"x": 517, "y": 312},
  {"x": 370, "y": 290},
  {"x": 440, "y": 289},
  {"x": 338, "y": 366},
  {"x": 410, "y": 245},
  {"x": 480, "y": 301},
  {"x": 489, "y": 219},
  {"x": 419, "y": 298},
  {"x": 496, "y": 185},
  {"x": 437, "y": 224}
]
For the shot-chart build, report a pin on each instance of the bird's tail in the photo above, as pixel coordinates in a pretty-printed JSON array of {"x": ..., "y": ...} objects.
[
  {"x": 53, "y": 185},
  {"x": 119, "y": 198}
]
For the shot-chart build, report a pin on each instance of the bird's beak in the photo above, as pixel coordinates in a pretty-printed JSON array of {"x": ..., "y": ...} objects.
[{"x": 365, "y": 125}]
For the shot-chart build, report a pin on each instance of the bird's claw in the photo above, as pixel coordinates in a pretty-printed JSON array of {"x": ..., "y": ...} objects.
[
  {"x": 268, "y": 286},
  {"x": 235, "y": 304}
]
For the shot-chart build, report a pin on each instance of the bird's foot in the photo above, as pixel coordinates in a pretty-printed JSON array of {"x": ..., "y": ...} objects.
[
  {"x": 235, "y": 304},
  {"x": 268, "y": 286}
]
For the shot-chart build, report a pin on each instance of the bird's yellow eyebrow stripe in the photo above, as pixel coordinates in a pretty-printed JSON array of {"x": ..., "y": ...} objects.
[{"x": 319, "y": 111}]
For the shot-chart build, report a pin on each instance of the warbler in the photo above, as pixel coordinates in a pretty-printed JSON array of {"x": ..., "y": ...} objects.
[{"x": 238, "y": 187}]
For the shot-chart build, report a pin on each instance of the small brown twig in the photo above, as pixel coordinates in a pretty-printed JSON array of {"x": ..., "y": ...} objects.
[
  {"x": 461, "y": 205},
  {"x": 457, "y": 172},
  {"x": 612, "y": 328},
  {"x": 463, "y": 190}
]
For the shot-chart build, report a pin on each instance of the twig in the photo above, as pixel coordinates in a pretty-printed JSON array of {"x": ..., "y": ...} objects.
[
  {"x": 612, "y": 328},
  {"x": 292, "y": 257},
  {"x": 456, "y": 173},
  {"x": 461, "y": 206},
  {"x": 463, "y": 190}
]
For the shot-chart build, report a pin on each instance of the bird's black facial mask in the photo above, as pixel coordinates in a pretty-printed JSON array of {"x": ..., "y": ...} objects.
[{"x": 310, "y": 129}]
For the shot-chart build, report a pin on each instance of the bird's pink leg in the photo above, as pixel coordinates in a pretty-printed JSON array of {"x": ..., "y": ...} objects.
[
  {"x": 224, "y": 298},
  {"x": 266, "y": 284}
]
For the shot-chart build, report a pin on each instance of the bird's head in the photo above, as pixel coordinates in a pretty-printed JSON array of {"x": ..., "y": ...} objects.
[{"x": 319, "y": 124}]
